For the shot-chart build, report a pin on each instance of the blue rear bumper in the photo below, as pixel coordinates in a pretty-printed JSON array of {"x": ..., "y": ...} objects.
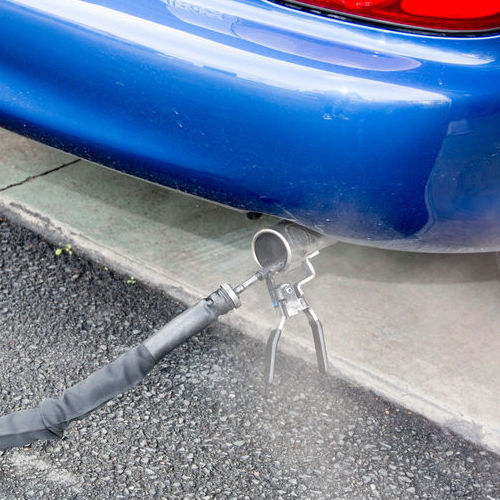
[{"x": 379, "y": 137}]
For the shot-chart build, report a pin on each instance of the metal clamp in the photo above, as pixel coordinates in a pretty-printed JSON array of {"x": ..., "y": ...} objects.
[{"x": 289, "y": 299}]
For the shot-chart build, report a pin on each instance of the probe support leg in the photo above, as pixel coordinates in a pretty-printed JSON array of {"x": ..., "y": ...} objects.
[
  {"x": 319, "y": 340},
  {"x": 271, "y": 348}
]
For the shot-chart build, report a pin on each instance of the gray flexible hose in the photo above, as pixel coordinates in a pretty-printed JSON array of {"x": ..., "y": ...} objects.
[{"x": 53, "y": 416}]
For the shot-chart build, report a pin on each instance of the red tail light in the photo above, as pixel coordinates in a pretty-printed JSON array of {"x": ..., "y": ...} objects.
[{"x": 437, "y": 15}]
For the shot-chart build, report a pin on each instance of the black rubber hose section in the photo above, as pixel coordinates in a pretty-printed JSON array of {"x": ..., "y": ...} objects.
[{"x": 51, "y": 418}]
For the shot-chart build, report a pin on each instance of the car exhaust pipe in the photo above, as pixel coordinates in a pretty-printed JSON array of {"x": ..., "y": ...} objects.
[
  {"x": 275, "y": 249},
  {"x": 286, "y": 245}
]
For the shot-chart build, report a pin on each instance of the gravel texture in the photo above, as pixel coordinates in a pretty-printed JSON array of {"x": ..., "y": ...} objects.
[{"x": 201, "y": 425}]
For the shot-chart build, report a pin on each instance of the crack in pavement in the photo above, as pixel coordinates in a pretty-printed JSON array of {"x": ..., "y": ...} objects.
[{"x": 31, "y": 177}]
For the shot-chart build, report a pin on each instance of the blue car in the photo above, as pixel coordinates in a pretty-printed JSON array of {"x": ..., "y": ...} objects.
[{"x": 374, "y": 121}]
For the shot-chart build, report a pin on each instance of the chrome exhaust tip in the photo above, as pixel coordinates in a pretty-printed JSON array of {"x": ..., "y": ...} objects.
[{"x": 286, "y": 245}]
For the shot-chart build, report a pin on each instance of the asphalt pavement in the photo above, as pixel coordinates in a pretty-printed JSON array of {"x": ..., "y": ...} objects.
[{"x": 202, "y": 424}]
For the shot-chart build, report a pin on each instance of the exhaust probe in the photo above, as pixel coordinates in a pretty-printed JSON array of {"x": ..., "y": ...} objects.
[{"x": 276, "y": 250}]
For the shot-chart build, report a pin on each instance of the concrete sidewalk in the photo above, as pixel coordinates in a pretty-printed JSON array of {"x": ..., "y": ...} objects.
[{"x": 420, "y": 329}]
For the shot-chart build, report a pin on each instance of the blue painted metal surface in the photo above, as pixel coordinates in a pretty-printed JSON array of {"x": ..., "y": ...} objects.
[{"x": 379, "y": 137}]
